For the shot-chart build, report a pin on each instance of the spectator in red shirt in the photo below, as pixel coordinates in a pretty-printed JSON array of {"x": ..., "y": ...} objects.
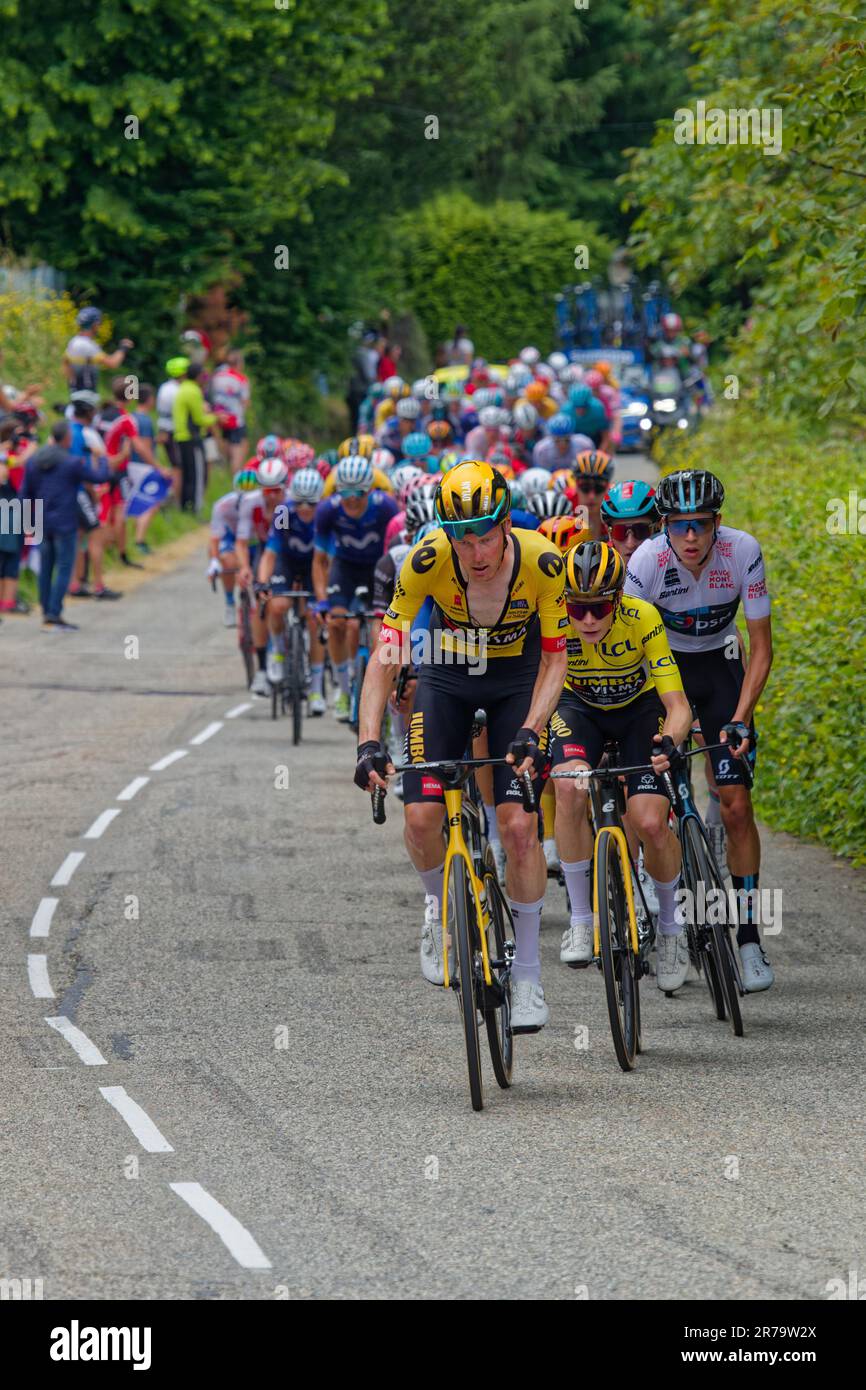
[
  {"x": 119, "y": 446},
  {"x": 388, "y": 360}
]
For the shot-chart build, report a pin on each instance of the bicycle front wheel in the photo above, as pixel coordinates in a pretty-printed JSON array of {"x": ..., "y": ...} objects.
[
  {"x": 497, "y": 1007},
  {"x": 357, "y": 686},
  {"x": 462, "y": 927},
  {"x": 720, "y": 951},
  {"x": 245, "y": 642},
  {"x": 617, "y": 960},
  {"x": 296, "y": 682}
]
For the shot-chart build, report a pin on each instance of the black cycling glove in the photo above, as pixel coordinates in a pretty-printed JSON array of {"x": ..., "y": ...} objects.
[
  {"x": 525, "y": 745},
  {"x": 371, "y": 758},
  {"x": 736, "y": 731},
  {"x": 669, "y": 750}
]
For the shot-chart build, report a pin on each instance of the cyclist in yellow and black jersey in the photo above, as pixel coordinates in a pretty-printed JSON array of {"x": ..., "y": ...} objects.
[{"x": 623, "y": 684}]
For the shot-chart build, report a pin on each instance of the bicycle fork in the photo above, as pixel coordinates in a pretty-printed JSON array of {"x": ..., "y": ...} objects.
[{"x": 457, "y": 849}]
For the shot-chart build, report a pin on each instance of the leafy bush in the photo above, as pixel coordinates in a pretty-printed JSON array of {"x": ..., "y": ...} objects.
[
  {"x": 780, "y": 477},
  {"x": 494, "y": 268},
  {"x": 34, "y": 330}
]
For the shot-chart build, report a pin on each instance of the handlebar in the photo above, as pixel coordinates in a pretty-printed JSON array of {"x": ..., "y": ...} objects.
[
  {"x": 611, "y": 772},
  {"x": 448, "y": 768}
]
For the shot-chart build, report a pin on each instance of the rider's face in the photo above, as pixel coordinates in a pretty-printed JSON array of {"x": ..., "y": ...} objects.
[
  {"x": 354, "y": 506},
  {"x": 480, "y": 556},
  {"x": 694, "y": 545},
  {"x": 591, "y": 628}
]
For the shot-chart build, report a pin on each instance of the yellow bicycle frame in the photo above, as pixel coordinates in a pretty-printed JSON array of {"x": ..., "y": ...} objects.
[
  {"x": 625, "y": 863},
  {"x": 457, "y": 848}
]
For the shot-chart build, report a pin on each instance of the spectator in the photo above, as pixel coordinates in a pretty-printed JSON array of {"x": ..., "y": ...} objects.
[
  {"x": 144, "y": 454},
  {"x": 118, "y": 444},
  {"x": 190, "y": 418},
  {"x": 51, "y": 481},
  {"x": 11, "y": 546},
  {"x": 83, "y": 356},
  {"x": 365, "y": 365},
  {"x": 88, "y": 443},
  {"x": 175, "y": 368},
  {"x": 388, "y": 359},
  {"x": 230, "y": 395}
]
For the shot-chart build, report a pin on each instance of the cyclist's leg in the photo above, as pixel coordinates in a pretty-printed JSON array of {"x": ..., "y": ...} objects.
[{"x": 577, "y": 742}]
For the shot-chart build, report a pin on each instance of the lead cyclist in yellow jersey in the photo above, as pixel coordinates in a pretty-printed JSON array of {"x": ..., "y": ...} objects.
[
  {"x": 497, "y": 642},
  {"x": 623, "y": 684}
]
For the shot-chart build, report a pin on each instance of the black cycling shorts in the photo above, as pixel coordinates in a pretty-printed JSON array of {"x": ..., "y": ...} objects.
[
  {"x": 344, "y": 579},
  {"x": 285, "y": 578},
  {"x": 712, "y": 682},
  {"x": 446, "y": 699},
  {"x": 579, "y": 733}
]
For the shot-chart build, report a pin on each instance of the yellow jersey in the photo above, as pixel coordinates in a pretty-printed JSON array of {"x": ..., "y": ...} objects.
[
  {"x": 633, "y": 657},
  {"x": 380, "y": 481},
  {"x": 536, "y": 592}
]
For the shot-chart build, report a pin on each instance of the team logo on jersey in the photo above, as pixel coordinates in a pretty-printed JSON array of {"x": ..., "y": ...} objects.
[
  {"x": 424, "y": 559},
  {"x": 550, "y": 564},
  {"x": 755, "y": 563},
  {"x": 672, "y": 575},
  {"x": 633, "y": 579},
  {"x": 720, "y": 579},
  {"x": 519, "y": 603}
]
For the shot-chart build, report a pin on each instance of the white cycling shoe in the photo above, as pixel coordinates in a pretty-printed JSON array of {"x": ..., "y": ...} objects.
[
  {"x": 672, "y": 961},
  {"x": 576, "y": 948},
  {"x": 551, "y": 858},
  {"x": 261, "y": 685},
  {"x": 230, "y": 616},
  {"x": 276, "y": 668},
  {"x": 757, "y": 970},
  {"x": 649, "y": 888},
  {"x": 432, "y": 966},
  {"x": 316, "y": 705},
  {"x": 529, "y": 1012}
]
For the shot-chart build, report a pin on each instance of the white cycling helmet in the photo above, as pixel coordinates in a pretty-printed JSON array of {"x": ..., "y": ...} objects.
[
  {"x": 419, "y": 388},
  {"x": 382, "y": 459},
  {"x": 535, "y": 480},
  {"x": 525, "y": 416},
  {"x": 394, "y": 386},
  {"x": 557, "y": 361},
  {"x": 545, "y": 373},
  {"x": 307, "y": 486},
  {"x": 409, "y": 408},
  {"x": 529, "y": 356},
  {"x": 403, "y": 475},
  {"x": 354, "y": 472},
  {"x": 272, "y": 473},
  {"x": 547, "y": 504},
  {"x": 573, "y": 374}
]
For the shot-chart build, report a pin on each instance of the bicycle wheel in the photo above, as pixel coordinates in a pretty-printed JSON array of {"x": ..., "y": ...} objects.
[
  {"x": 497, "y": 1006},
  {"x": 719, "y": 948},
  {"x": 275, "y": 701},
  {"x": 463, "y": 930},
  {"x": 357, "y": 686},
  {"x": 698, "y": 935},
  {"x": 245, "y": 642},
  {"x": 617, "y": 962},
  {"x": 296, "y": 683}
]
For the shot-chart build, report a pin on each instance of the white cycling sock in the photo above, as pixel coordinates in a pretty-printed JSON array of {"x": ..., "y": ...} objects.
[
  {"x": 666, "y": 893},
  {"x": 432, "y": 880},
  {"x": 492, "y": 824},
  {"x": 527, "y": 929},
  {"x": 317, "y": 679},
  {"x": 576, "y": 875},
  {"x": 342, "y": 674},
  {"x": 714, "y": 810}
]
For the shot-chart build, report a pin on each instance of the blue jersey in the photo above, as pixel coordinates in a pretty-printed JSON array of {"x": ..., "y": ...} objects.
[
  {"x": 290, "y": 537},
  {"x": 354, "y": 540},
  {"x": 526, "y": 521}
]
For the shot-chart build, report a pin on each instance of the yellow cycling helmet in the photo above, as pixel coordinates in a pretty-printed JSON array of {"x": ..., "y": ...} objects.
[
  {"x": 593, "y": 570},
  {"x": 357, "y": 446},
  {"x": 472, "y": 497},
  {"x": 593, "y": 462}
]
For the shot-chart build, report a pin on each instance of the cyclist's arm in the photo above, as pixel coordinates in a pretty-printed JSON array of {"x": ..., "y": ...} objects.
[
  {"x": 758, "y": 668},
  {"x": 552, "y": 670},
  {"x": 678, "y": 714},
  {"x": 242, "y": 549},
  {"x": 321, "y": 570},
  {"x": 378, "y": 682},
  {"x": 266, "y": 565}
]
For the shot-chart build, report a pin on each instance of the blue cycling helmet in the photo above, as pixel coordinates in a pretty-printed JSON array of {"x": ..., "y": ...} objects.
[
  {"x": 89, "y": 318},
  {"x": 630, "y": 500},
  {"x": 580, "y": 396},
  {"x": 559, "y": 424},
  {"x": 416, "y": 445}
]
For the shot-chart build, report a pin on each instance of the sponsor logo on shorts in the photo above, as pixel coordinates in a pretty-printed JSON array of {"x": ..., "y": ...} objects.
[
  {"x": 573, "y": 750},
  {"x": 430, "y": 787},
  {"x": 647, "y": 781}
]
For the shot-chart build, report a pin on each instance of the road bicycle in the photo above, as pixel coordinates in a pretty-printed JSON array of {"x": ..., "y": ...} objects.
[
  {"x": 474, "y": 908},
  {"x": 288, "y": 695},
  {"x": 246, "y": 644}
]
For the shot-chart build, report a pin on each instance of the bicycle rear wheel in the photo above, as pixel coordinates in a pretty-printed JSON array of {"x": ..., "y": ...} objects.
[
  {"x": 720, "y": 951},
  {"x": 497, "y": 1006},
  {"x": 357, "y": 686},
  {"x": 245, "y": 642},
  {"x": 296, "y": 682},
  {"x": 617, "y": 961},
  {"x": 462, "y": 927}
]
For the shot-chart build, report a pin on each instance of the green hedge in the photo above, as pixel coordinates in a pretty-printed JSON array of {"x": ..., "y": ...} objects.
[
  {"x": 779, "y": 476},
  {"x": 494, "y": 268}
]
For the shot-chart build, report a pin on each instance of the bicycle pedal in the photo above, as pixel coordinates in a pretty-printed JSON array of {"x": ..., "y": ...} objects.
[
  {"x": 578, "y": 964},
  {"x": 533, "y": 1029}
]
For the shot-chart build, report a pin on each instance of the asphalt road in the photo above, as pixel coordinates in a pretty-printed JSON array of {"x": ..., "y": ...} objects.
[{"x": 240, "y": 960}]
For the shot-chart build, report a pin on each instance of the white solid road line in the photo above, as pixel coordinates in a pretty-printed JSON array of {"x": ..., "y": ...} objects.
[
  {"x": 67, "y": 869},
  {"x": 101, "y": 824},
  {"x": 87, "y": 1051},
  {"x": 207, "y": 733},
  {"x": 41, "y": 923},
  {"x": 235, "y": 1237},
  {"x": 37, "y": 973},
  {"x": 134, "y": 786},
  {"x": 238, "y": 709},
  {"x": 139, "y": 1122},
  {"x": 168, "y": 759}
]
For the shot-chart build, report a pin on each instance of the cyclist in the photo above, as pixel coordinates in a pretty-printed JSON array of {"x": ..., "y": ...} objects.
[
  {"x": 593, "y": 475},
  {"x": 697, "y": 573},
  {"x": 223, "y": 529},
  {"x": 588, "y": 414},
  {"x": 560, "y": 446},
  {"x": 496, "y": 592},
  {"x": 349, "y": 538},
  {"x": 255, "y": 515},
  {"x": 622, "y": 684},
  {"x": 630, "y": 514},
  {"x": 286, "y": 564}
]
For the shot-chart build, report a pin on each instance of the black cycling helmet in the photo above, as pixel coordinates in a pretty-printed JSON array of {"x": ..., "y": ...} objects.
[
  {"x": 594, "y": 570},
  {"x": 689, "y": 490}
]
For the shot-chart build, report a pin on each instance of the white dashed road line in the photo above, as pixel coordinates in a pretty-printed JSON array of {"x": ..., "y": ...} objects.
[
  {"x": 41, "y": 923},
  {"x": 134, "y": 786},
  {"x": 87, "y": 1051},
  {"x": 238, "y": 709},
  {"x": 235, "y": 1237},
  {"x": 67, "y": 869},
  {"x": 168, "y": 759},
  {"x": 37, "y": 973},
  {"x": 101, "y": 824},
  {"x": 138, "y": 1120},
  {"x": 207, "y": 733}
]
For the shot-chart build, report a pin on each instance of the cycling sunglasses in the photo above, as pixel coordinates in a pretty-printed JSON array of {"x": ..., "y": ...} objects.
[
  {"x": 621, "y": 530},
  {"x": 590, "y": 485},
  {"x": 699, "y": 524},
  {"x": 477, "y": 526},
  {"x": 352, "y": 492},
  {"x": 600, "y": 609}
]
